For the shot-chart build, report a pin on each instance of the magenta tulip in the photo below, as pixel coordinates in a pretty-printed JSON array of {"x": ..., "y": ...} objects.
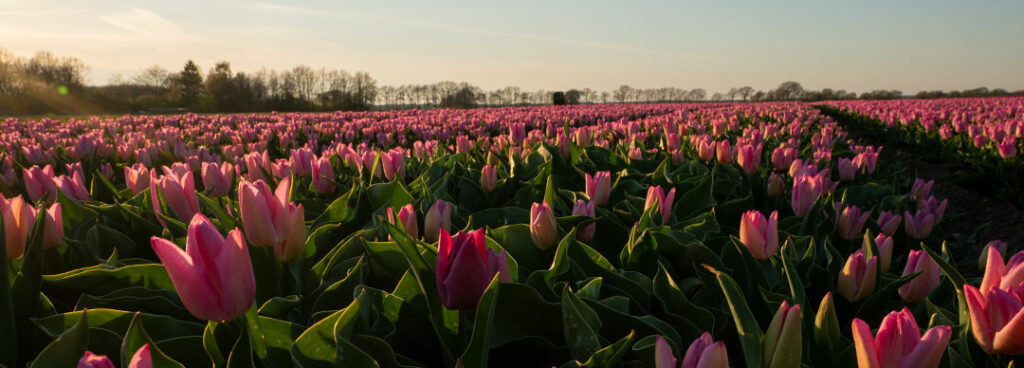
[
  {"x": 899, "y": 343},
  {"x": 465, "y": 267},
  {"x": 918, "y": 288},
  {"x": 91, "y": 360},
  {"x": 213, "y": 275},
  {"x": 599, "y": 187},
  {"x": 760, "y": 235},
  {"x": 657, "y": 196}
]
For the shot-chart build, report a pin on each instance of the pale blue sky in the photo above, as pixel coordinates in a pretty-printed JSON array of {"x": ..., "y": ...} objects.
[{"x": 554, "y": 44}]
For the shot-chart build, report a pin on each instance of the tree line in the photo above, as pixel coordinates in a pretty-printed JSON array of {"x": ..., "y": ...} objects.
[{"x": 45, "y": 83}]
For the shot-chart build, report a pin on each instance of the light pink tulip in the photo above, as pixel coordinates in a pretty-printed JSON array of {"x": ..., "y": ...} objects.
[
  {"x": 1006, "y": 276},
  {"x": 918, "y": 288},
  {"x": 407, "y": 216},
  {"x": 137, "y": 177},
  {"x": 179, "y": 192},
  {"x": 884, "y": 244},
  {"x": 217, "y": 178},
  {"x": 760, "y": 235},
  {"x": 322, "y": 172},
  {"x": 748, "y": 156},
  {"x": 142, "y": 358},
  {"x": 543, "y": 228},
  {"x": 806, "y": 190},
  {"x": 271, "y": 220},
  {"x": 857, "y": 280},
  {"x": 888, "y": 222},
  {"x": 19, "y": 218},
  {"x": 40, "y": 183},
  {"x": 997, "y": 319},
  {"x": 850, "y": 222},
  {"x": 918, "y": 225},
  {"x": 439, "y": 217},
  {"x": 599, "y": 187},
  {"x": 847, "y": 170},
  {"x": 899, "y": 343},
  {"x": 488, "y": 178}
]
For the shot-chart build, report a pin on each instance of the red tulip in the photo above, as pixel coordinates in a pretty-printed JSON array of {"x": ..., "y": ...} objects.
[
  {"x": 465, "y": 267},
  {"x": 899, "y": 343},
  {"x": 213, "y": 275}
]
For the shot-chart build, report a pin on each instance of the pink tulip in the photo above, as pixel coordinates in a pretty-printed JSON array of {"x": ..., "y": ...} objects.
[
  {"x": 582, "y": 208},
  {"x": 918, "y": 226},
  {"x": 301, "y": 161},
  {"x": 137, "y": 177},
  {"x": 1008, "y": 276},
  {"x": 1007, "y": 148},
  {"x": 725, "y": 152},
  {"x": 439, "y": 217},
  {"x": 407, "y": 216},
  {"x": 179, "y": 192},
  {"x": 760, "y": 235},
  {"x": 934, "y": 206},
  {"x": 706, "y": 150},
  {"x": 563, "y": 145},
  {"x": 997, "y": 319},
  {"x": 656, "y": 195},
  {"x": 782, "y": 158},
  {"x": 921, "y": 189},
  {"x": 918, "y": 288},
  {"x": 143, "y": 358},
  {"x": 394, "y": 164},
  {"x": 217, "y": 178},
  {"x": 850, "y": 222},
  {"x": 702, "y": 353},
  {"x": 806, "y": 190},
  {"x": 599, "y": 187},
  {"x": 73, "y": 186},
  {"x": 884, "y": 244},
  {"x": 748, "y": 157},
  {"x": 465, "y": 267},
  {"x": 257, "y": 165},
  {"x": 19, "y": 218},
  {"x": 322, "y": 173},
  {"x": 543, "y": 228},
  {"x": 213, "y": 275},
  {"x": 488, "y": 179},
  {"x": 54, "y": 234},
  {"x": 847, "y": 170},
  {"x": 91, "y": 360},
  {"x": 899, "y": 343},
  {"x": 270, "y": 220},
  {"x": 776, "y": 187},
  {"x": 857, "y": 280},
  {"x": 40, "y": 183},
  {"x": 888, "y": 222},
  {"x": 783, "y": 342}
]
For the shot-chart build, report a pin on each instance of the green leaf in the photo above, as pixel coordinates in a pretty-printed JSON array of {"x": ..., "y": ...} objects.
[
  {"x": 796, "y": 285},
  {"x": 581, "y": 325},
  {"x": 67, "y": 349},
  {"x": 749, "y": 332},
  {"x": 560, "y": 264},
  {"x": 135, "y": 338},
  {"x": 241, "y": 354},
  {"x": 99, "y": 281},
  {"x": 118, "y": 321},
  {"x": 479, "y": 343},
  {"x": 610, "y": 355}
]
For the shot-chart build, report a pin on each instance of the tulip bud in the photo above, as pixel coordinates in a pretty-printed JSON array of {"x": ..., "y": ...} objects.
[
  {"x": 996, "y": 317},
  {"x": 782, "y": 341},
  {"x": 918, "y": 288},
  {"x": 850, "y": 222},
  {"x": 884, "y": 244},
  {"x": 857, "y": 280},
  {"x": 179, "y": 193},
  {"x": 584, "y": 209},
  {"x": 725, "y": 152},
  {"x": 213, "y": 275},
  {"x": 217, "y": 178},
  {"x": 806, "y": 190},
  {"x": 270, "y": 220},
  {"x": 53, "y": 236},
  {"x": 888, "y": 222},
  {"x": 998, "y": 245},
  {"x": 847, "y": 170},
  {"x": 407, "y": 215},
  {"x": 439, "y": 217},
  {"x": 91, "y": 360},
  {"x": 563, "y": 145},
  {"x": 826, "y": 324},
  {"x": 748, "y": 157},
  {"x": 656, "y": 195},
  {"x": 40, "y": 183},
  {"x": 143, "y": 358},
  {"x": 775, "y": 186},
  {"x": 918, "y": 226},
  {"x": 19, "y": 217},
  {"x": 137, "y": 177},
  {"x": 488, "y": 179},
  {"x": 543, "y": 228},
  {"x": 899, "y": 342},
  {"x": 921, "y": 189},
  {"x": 706, "y": 150},
  {"x": 760, "y": 235},
  {"x": 465, "y": 267},
  {"x": 599, "y": 187}
]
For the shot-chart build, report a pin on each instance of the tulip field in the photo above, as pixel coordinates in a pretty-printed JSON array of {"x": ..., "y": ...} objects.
[{"x": 615, "y": 235}]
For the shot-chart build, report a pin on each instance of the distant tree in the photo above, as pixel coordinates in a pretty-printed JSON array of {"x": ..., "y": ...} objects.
[
  {"x": 696, "y": 94},
  {"x": 718, "y": 96},
  {"x": 154, "y": 76},
  {"x": 464, "y": 98},
  {"x": 190, "y": 85},
  {"x": 789, "y": 90},
  {"x": 572, "y": 97},
  {"x": 745, "y": 92}
]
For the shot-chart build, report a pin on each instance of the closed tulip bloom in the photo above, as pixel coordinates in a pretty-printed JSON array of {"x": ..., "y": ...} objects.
[
  {"x": 488, "y": 178},
  {"x": 888, "y": 222},
  {"x": 783, "y": 157},
  {"x": 656, "y": 195},
  {"x": 997, "y": 319},
  {"x": 179, "y": 193},
  {"x": 919, "y": 225},
  {"x": 782, "y": 341},
  {"x": 543, "y": 228},
  {"x": 899, "y": 343},
  {"x": 918, "y": 288},
  {"x": 54, "y": 234},
  {"x": 40, "y": 183},
  {"x": 760, "y": 235},
  {"x": 806, "y": 190},
  {"x": 857, "y": 280},
  {"x": 563, "y": 145},
  {"x": 213, "y": 275},
  {"x": 137, "y": 177},
  {"x": 884, "y": 244},
  {"x": 748, "y": 157},
  {"x": 921, "y": 189},
  {"x": 702, "y": 353},
  {"x": 19, "y": 217},
  {"x": 1007, "y": 148},
  {"x": 301, "y": 161},
  {"x": 706, "y": 150},
  {"x": 91, "y": 360},
  {"x": 599, "y": 187},
  {"x": 217, "y": 178},
  {"x": 1006, "y": 276},
  {"x": 776, "y": 187},
  {"x": 322, "y": 173},
  {"x": 826, "y": 323},
  {"x": 439, "y": 217},
  {"x": 73, "y": 186},
  {"x": 143, "y": 358},
  {"x": 465, "y": 267},
  {"x": 850, "y": 222},
  {"x": 407, "y": 216},
  {"x": 394, "y": 164},
  {"x": 584, "y": 209},
  {"x": 725, "y": 152},
  {"x": 847, "y": 170},
  {"x": 996, "y": 245},
  {"x": 270, "y": 220},
  {"x": 938, "y": 209}
]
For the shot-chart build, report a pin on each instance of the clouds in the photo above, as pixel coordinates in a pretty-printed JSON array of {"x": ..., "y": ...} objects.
[{"x": 149, "y": 25}]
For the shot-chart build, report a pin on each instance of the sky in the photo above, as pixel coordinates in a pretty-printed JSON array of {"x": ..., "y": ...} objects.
[{"x": 553, "y": 45}]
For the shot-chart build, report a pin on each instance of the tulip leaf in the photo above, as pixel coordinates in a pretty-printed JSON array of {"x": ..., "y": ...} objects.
[
  {"x": 136, "y": 337},
  {"x": 226, "y": 221},
  {"x": 515, "y": 239},
  {"x": 749, "y": 332},
  {"x": 215, "y": 336},
  {"x": 8, "y": 330},
  {"x": 581, "y": 325},
  {"x": 100, "y": 281},
  {"x": 66, "y": 349},
  {"x": 118, "y": 321},
  {"x": 796, "y": 285},
  {"x": 610, "y": 355},
  {"x": 476, "y": 352},
  {"x": 958, "y": 281},
  {"x": 241, "y": 354},
  {"x": 696, "y": 200},
  {"x": 340, "y": 210},
  {"x": 391, "y": 194}
]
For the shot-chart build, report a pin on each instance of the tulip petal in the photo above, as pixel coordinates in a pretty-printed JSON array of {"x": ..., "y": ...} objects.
[
  {"x": 867, "y": 355},
  {"x": 663, "y": 357},
  {"x": 929, "y": 351}
]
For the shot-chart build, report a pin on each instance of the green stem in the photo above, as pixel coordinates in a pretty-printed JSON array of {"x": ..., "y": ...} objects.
[{"x": 272, "y": 264}]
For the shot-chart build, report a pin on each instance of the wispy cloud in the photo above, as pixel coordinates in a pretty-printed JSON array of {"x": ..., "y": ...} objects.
[
  {"x": 148, "y": 24},
  {"x": 370, "y": 18}
]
